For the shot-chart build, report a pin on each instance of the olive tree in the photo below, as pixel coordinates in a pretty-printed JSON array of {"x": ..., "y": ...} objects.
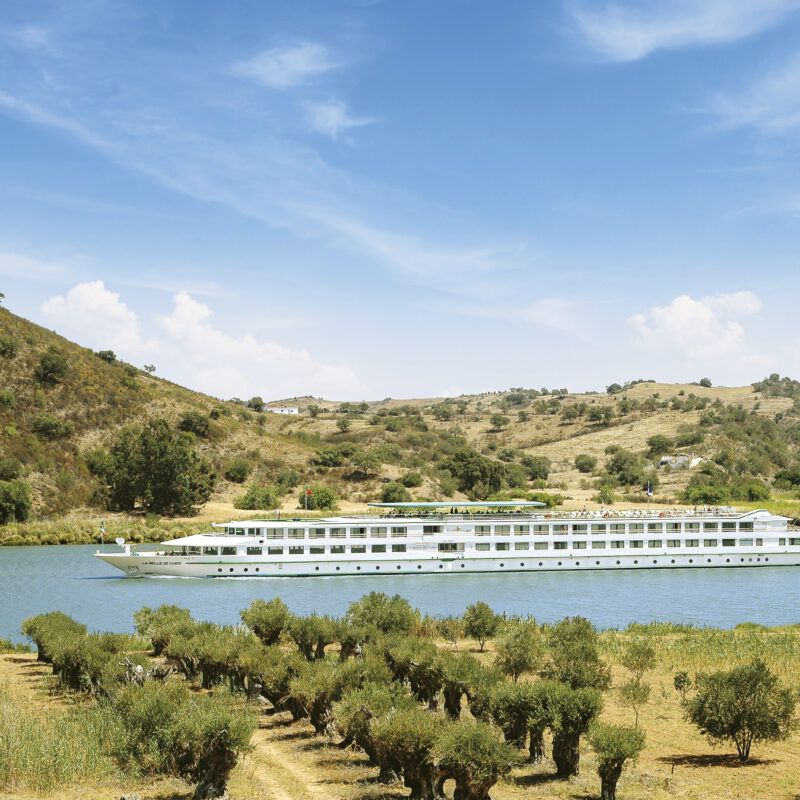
[
  {"x": 519, "y": 651},
  {"x": 386, "y": 614},
  {"x": 162, "y": 623},
  {"x": 574, "y": 657},
  {"x": 571, "y": 713},
  {"x": 267, "y": 620},
  {"x": 312, "y": 634},
  {"x": 614, "y": 745},
  {"x": 480, "y": 623},
  {"x": 459, "y": 675}
]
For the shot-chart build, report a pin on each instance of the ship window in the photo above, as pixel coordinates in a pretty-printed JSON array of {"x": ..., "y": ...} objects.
[
  {"x": 745, "y": 542},
  {"x": 519, "y": 529},
  {"x": 482, "y": 530},
  {"x": 378, "y": 533},
  {"x": 274, "y": 533},
  {"x": 297, "y": 533},
  {"x": 618, "y": 527},
  {"x": 729, "y": 542},
  {"x": 431, "y": 528},
  {"x": 501, "y": 546},
  {"x": 781, "y": 542},
  {"x": 579, "y": 528},
  {"x": 378, "y": 548},
  {"x": 598, "y": 545},
  {"x": 195, "y": 551},
  {"x": 794, "y": 541},
  {"x": 358, "y": 548},
  {"x": 398, "y": 548},
  {"x": 338, "y": 533},
  {"x": 654, "y": 527},
  {"x": 579, "y": 545},
  {"x": 482, "y": 546},
  {"x": 335, "y": 548},
  {"x": 540, "y": 545},
  {"x": 358, "y": 533},
  {"x": 560, "y": 528},
  {"x": 502, "y": 529},
  {"x": 759, "y": 542},
  {"x": 448, "y": 547},
  {"x": 636, "y": 543},
  {"x": 254, "y": 551},
  {"x": 709, "y": 542},
  {"x": 745, "y": 526},
  {"x": 239, "y": 531},
  {"x": 316, "y": 533},
  {"x": 692, "y": 543},
  {"x": 636, "y": 527},
  {"x": 210, "y": 551},
  {"x": 316, "y": 549},
  {"x": 599, "y": 528},
  {"x": 541, "y": 529},
  {"x": 399, "y": 532},
  {"x": 728, "y": 527},
  {"x": 691, "y": 527},
  {"x": 617, "y": 544},
  {"x": 275, "y": 551},
  {"x": 654, "y": 543},
  {"x": 711, "y": 526},
  {"x": 673, "y": 527},
  {"x": 521, "y": 546},
  {"x": 296, "y": 550},
  {"x": 229, "y": 551},
  {"x": 673, "y": 542},
  {"x": 560, "y": 545}
]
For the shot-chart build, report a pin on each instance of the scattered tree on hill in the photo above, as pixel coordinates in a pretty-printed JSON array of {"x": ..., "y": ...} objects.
[
  {"x": 8, "y": 346},
  {"x": 572, "y": 711},
  {"x": 10, "y": 468},
  {"x": 744, "y": 705},
  {"x": 614, "y": 745},
  {"x": 255, "y": 404},
  {"x": 574, "y": 658},
  {"x": 343, "y": 425},
  {"x": 392, "y": 615},
  {"x": 601, "y": 415},
  {"x": 394, "y": 493},
  {"x": 585, "y": 463},
  {"x": 520, "y": 650},
  {"x": 52, "y": 367},
  {"x": 15, "y": 501},
  {"x": 536, "y": 467},
  {"x": 444, "y": 412},
  {"x": 107, "y": 355},
  {"x": 411, "y": 479},
  {"x": 471, "y": 470},
  {"x": 317, "y": 497},
  {"x": 149, "y": 368},
  {"x": 658, "y": 445},
  {"x": 237, "y": 470},
  {"x": 365, "y": 461},
  {"x": 480, "y": 623},
  {"x": 499, "y": 421},
  {"x": 257, "y": 498},
  {"x": 705, "y": 382},
  {"x": 195, "y": 422},
  {"x": 52, "y": 427}
]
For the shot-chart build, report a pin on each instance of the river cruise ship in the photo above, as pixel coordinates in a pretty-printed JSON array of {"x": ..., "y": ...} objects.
[{"x": 447, "y": 538}]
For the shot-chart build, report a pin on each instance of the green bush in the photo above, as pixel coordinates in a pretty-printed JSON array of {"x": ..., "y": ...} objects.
[
  {"x": 52, "y": 427},
  {"x": 10, "y": 468},
  {"x": 237, "y": 470},
  {"x": 52, "y": 367},
  {"x": 480, "y": 623},
  {"x": 15, "y": 501},
  {"x": 394, "y": 493},
  {"x": 411, "y": 480},
  {"x": 9, "y": 346},
  {"x": 261, "y": 498},
  {"x": 267, "y": 620},
  {"x": 107, "y": 355},
  {"x": 392, "y": 615},
  {"x": 318, "y": 497},
  {"x": 7, "y": 399},
  {"x": 614, "y": 745},
  {"x": 537, "y": 467},
  {"x": 585, "y": 463},
  {"x": 195, "y": 422}
]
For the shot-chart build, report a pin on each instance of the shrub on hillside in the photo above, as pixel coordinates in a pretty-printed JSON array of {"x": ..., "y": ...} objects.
[
  {"x": 15, "y": 501},
  {"x": 52, "y": 427},
  {"x": 9, "y": 346},
  {"x": 411, "y": 480},
  {"x": 317, "y": 497},
  {"x": 394, "y": 493},
  {"x": 585, "y": 463},
  {"x": 10, "y": 468},
  {"x": 195, "y": 422},
  {"x": 537, "y": 467},
  {"x": 7, "y": 399},
  {"x": 257, "y": 498},
  {"x": 107, "y": 355},
  {"x": 52, "y": 367},
  {"x": 237, "y": 470}
]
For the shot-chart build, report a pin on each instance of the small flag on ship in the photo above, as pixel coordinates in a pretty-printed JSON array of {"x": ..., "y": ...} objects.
[{"x": 649, "y": 489}]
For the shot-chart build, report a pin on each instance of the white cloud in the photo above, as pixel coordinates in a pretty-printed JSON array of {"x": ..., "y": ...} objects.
[
  {"x": 284, "y": 67},
  {"x": 631, "y": 31},
  {"x": 332, "y": 118},
  {"x": 16, "y": 265},
  {"x": 92, "y": 313},
  {"x": 697, "y": 329}
]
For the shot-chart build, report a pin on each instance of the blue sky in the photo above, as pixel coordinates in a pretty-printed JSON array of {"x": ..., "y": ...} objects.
[{"x": 373, "y": 199}]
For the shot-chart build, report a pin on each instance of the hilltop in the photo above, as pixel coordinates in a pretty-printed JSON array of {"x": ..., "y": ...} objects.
[{"x": 60, "y": 402}]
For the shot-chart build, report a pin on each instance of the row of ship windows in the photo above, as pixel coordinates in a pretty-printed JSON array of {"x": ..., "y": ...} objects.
[
  {"x": 381, "y": 532},
  {"x": 482, "y": 547}
]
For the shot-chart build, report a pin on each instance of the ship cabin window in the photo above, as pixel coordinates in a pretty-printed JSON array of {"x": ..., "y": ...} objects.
[
  {"x": 521, "y": 546},
  {"x": 598, "y": 545},
  {"x": 210, "y": 551},
  {"x": 275, "y": 551},
  {"x": 431, "y": 528},
  {"x": 540, "y": 545},
  {"x": 502, "y": 530},
  {"x": 794, "y": 541},
  {"x": 560, "y": 545},
  {"x": 745, "y": 542},
  {"x": 599, "y": 528},
  {"x": 729, "y": 542},
  {"x": 448, "y": 547},
  {"x": 692, "y": 543},
  {"x": 673, "y": 527},
  {"x": 192, "y": 551},
  {"x": 501, "y": 546},
  {"x": 482, "y": 530},
  {"x": 759, "y": 542},
  {"x": 229, "y": 551},
  {"x": 745, "y": 526},
  {"x": 358, "y": 533},
  {"x": 579, "y": 528},
  {"x": 636, "y": 543},
  {"x": 296, "y": 550},
  {"x": 239, "y": 531},
  {"x": 728, "y": 527},
  {"x": 617, "y": 544},
  {"x": 710, "y": 542},
  {"x": 579, "y": 545},
  {"x": 378, "y": 548},
  {"x": 400, "y": 532},
  {"x": 519, "y": 530},
  {"x": 338, "y": 533},
  {"x": 316, "y": 549},
  {"x": 274, "y": 533},
  {"x": 254, "y": 551},
  {"x": 655, "y": 527},
  {"x": 673, "y": 542},
  {"x": 481, "y": 546},
  {"x": 358, "y": 548},
  {"x": 378, "y": 533},
  {"x": 297, "y": 533},
  {"x": 336, "y": 549},
  {"x": 781, "y": 542},
  {"x": 636, "y": 527},
  {"x": 711, "y": 526},
  {"x": 654, "y": 543},
  {"x": 619, "y": 527},
  {"x": 560, "y": 528},
  {"x": 316, "y": 533},
  {"x": 692, "y": 527},
  {"x": 398, "y": 548},
  {"x": 541, "y": 529}
]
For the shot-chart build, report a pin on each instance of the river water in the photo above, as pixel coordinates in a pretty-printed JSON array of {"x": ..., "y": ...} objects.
[{"x": 34, "y": 580}]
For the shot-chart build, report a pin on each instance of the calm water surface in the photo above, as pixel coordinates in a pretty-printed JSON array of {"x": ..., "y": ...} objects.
[{"x": 39, "y": 579}]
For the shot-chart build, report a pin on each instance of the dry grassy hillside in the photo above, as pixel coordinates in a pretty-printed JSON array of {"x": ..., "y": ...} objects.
[{"x": 49, "y": 424}]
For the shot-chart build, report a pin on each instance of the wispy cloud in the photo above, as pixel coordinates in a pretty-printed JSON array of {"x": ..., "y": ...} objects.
[
  {"x": 17, "y": 265},
  {"x": 631, "y": 31},
  {"x": 332, "y": 118},
  {"x": 285, "y": 67}
]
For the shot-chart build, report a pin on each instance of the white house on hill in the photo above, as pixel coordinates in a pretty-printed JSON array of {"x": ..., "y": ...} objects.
[
  {"x": 283, "y": 409},
  {"x": 682, "y": 461}
]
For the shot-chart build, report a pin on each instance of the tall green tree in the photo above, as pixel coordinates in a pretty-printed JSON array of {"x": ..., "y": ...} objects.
[{"x": 614, "y": 745}]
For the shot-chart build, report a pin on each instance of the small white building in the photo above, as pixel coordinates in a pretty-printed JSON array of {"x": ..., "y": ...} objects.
[
  {"x": 282, "y": 409},
  {"x": 681, "y": 461}
]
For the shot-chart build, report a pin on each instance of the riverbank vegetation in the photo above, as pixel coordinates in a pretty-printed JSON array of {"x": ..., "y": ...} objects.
[{"x": 385, "y": 702}]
